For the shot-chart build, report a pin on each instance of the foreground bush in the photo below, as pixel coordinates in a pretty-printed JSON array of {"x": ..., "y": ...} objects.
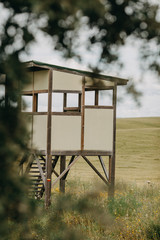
[{"x": 133, "y": 214}]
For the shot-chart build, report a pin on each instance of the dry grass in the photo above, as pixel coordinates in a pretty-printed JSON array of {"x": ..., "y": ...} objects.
[{"x": 138, "y": 149}]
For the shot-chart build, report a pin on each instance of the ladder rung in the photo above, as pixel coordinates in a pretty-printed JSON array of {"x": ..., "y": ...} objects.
[
  {"x": 35, "y": 176},
  {"x": 37, "y": 184},
  {"x": 42, "y": 163},
  {"x": 36, "y": 180},
  {"x": 36, "y": 188}
]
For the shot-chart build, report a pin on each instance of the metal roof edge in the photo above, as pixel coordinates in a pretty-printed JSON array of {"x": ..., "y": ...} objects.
[{"x": 34, "y": 63}]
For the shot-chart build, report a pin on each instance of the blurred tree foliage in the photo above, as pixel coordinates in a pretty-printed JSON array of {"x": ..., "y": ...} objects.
[{"x": 109, "y": 23}]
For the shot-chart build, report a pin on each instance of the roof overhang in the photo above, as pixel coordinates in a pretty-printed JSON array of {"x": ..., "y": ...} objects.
[{"x": 37, "y": 66}]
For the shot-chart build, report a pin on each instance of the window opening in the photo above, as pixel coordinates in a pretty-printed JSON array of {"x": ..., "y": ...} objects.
[
  {"x": 57, "y": 102},
  {"x": 105, "y": 97},
  {"x": 72, "y": 100},
  {"x": 26, "y": 103},
  {"x": 90, "y": 98},
  {"x": 42, "y": 102}
]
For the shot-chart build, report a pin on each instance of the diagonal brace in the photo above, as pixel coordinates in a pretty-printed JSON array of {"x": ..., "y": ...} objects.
[
  {"x": 66, "y": 170},
  {"x": 40, "y": 169},
  {"x": 104, "y": 167},
  {"x": 72, "y": 158},
  {"x": 95, "y": 169}
]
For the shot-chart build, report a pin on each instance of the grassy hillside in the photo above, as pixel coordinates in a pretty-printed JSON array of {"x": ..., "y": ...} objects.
[
  {"x": 138, "y": 149},
  {"x": 137, "y": 154}
]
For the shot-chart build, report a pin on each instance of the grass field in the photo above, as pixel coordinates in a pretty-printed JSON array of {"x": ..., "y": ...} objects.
[
  {"x": 137, "y": 153},
  {"x": 138, "y": 149},
  {"x": 86, "y": 213}
]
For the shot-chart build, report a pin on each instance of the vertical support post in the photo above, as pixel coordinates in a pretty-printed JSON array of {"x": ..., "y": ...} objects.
[
  {"x": 82, "y": 116},
  {"x": 96, "y": 97},
  {"x": 32, "y": 116},
  {"x": 62, "y": 168},
  {"x": 79, "y": 102},
  {"x": 64, "y": 101},
  {"x": 110, "y": 161},
  {"x": 113, "y": 158},
  {"x": 49, "y": 156},
  {"x": 35, "y": 100}
]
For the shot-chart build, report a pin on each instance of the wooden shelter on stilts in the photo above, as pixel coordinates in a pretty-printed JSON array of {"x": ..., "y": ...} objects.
[{"x": 69, "y": 118}]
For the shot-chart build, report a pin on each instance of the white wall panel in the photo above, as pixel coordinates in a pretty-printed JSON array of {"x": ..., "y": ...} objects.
[
  {"x": 98, "y": 129},
  {"x": 41, "y": 80},
  {"x": 66, "y": 81},
  {"x": 66, "y": 133},
  {"x": 90, "y": 82},
  {"x": 40, "y": 132}
]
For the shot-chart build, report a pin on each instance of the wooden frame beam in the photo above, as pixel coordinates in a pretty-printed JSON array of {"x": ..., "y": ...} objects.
[
  {"x": 62, "y": 168},
  {"x": 112, "y": 160},
  {"x": 71, "y": 160},
  {"x": 57, "y": 175},
  {"x": 49, "y": 155},
  {"x": 66, "y": 170},
  {"x": 104, "y": 167},
  {"x": 96, "y": 97},
  {"x": 96, "y": 171},
  {"x": 82, "y": 112},
  {"x": 40, "y": 170}
]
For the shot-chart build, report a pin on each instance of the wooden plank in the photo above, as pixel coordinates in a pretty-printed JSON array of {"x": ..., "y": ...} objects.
[
  {"x": 38, "y": 113},
  {"x": 110, "y": 161},
  {"x": 83, "y": 153},
  {"x": 113, "y": 159},
  {"x": 55, "y": 162},
  {"x": 104, "y": 167},
  {"x": 46, "y": 91},
  {"x": 82, "y": 112},
  {"x": 95, "y": 169},
  {"x": 57, "y": 175},
  {"x": 35, "y": 102},
  {"x": 64, "y": 101},
  {"x": 79, "y": 101},
  {"x": 71, "y": 160},
  {"x": 66, "y": 170},
  {"x": 91, "y": 88},
  {"x": 49, "y": 156},
  {"x": 99, "y": 107},
  {"x": 96, "y": 97},
  {"x": 62, "y": 168},
  {"x": 40, "y": 170},
  {"x": 67, "y": 113},
  {"x": 35, "y": 91},
  {"x": 66, "y": 91},
  {"x": 71, "y": 109},
  {"x": 76, "y": 152}
]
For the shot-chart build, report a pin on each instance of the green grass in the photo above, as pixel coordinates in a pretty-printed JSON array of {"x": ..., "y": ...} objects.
[{"x": 134, "y": 214}]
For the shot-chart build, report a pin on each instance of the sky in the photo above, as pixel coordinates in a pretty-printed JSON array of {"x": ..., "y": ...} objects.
[
  {"x": 148, "y": 84},
  {"x": 42, "y": 50}
]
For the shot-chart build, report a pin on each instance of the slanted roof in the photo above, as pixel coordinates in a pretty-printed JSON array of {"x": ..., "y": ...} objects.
[{"x": 36, "y": 66}]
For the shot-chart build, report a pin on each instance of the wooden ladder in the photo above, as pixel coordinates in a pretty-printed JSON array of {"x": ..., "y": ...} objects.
[{"x": 36, "y": 173}]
